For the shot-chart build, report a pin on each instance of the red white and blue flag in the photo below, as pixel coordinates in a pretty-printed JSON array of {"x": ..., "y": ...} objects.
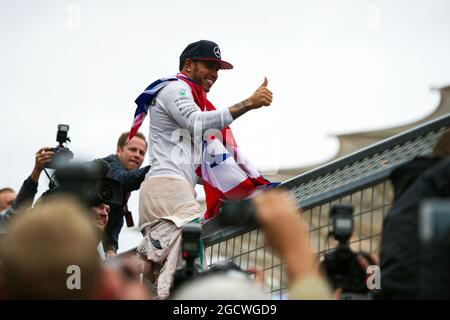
[
  {"x": 227, "y": 175},
  {"x": 143, "y": 103}
]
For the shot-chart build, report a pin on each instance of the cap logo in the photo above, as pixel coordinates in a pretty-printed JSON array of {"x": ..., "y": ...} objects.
[{"x": 217, "y": 52}]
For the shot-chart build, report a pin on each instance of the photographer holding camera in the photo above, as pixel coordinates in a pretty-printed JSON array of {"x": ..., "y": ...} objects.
[
  {"x": 28, "y": 190},
  {"x": 45, "y": 157},
  {"x": 58, "y": 158}
]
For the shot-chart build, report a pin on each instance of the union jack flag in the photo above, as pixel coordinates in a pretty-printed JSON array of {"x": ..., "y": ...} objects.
[{"x": 143, "y": 103}]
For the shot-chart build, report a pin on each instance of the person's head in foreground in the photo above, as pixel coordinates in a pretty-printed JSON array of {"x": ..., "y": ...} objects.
[
  {"x": 50, "y": 253},
  {"x": 227, "y": 284}
]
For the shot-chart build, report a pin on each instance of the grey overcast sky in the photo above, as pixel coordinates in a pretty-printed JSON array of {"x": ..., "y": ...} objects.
[{"x": 333, "y": 66}]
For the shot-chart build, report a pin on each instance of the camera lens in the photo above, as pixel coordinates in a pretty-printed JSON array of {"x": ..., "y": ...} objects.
[{"x": 106, "y": 192}]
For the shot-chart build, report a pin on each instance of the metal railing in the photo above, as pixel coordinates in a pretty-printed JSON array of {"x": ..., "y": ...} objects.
[{"x": 361, "y": 178}]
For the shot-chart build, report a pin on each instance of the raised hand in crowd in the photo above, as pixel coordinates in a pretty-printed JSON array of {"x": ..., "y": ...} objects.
[{"x": 287, "y": 233}]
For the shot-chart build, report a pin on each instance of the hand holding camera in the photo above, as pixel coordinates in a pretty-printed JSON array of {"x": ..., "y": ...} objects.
[
  {"x": 86, "y": 181},
  {"x": 43, "y": 157}
]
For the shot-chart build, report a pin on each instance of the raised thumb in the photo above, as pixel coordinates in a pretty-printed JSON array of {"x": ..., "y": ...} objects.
[{"x": 264, "y": 84}]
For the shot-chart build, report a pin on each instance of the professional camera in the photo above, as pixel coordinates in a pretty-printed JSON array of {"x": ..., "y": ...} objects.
[
  {"x": 88, "y": 183},
  {"x": 61, "y": 154},
  {"x": 190, "y": 250},
  {"x": 237, "y": 213},
  {"x": 242, "y": 213},
  {"x": 340, "y": 265}
]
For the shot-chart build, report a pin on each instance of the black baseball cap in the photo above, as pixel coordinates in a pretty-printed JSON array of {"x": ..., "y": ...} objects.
[{"x": 204, "y": 50}]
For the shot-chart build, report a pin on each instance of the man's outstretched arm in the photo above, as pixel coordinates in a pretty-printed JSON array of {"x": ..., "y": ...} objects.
[
  {"x": 29, "y": 188},
  {"x": 130, "y": 180},
  {"x": 188, "y": 115}
]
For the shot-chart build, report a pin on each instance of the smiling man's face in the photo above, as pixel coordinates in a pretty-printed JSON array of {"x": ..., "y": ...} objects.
[
  {"x": 205, "y": 73},
  {"x": 101, "y": 215},
  {"x": 132, "y": 154}
]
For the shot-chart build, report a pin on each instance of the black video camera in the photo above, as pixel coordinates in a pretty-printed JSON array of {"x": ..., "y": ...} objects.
[
  {"x": 61, "y": 154},
  {"x": 88, "y": 183},
  {"x": 341, "y": 265}
]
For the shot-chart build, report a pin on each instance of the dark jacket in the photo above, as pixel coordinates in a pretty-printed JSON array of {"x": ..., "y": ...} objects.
[
  {"x": 24, "y": 200},
  {"x": 401, "y": 248},
  {"x": 25, "y": 197},
  {"x": 130, "y": 181}
]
